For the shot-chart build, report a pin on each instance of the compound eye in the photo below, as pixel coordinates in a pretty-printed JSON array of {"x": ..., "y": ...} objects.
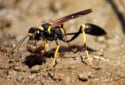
[{"x": 37, "y": 32}]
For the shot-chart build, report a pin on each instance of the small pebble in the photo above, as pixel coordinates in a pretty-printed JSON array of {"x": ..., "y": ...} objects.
[
  {"x": 38, "y": 82},
  {"x": 83, "y": 77},
  {"x": 101, "y": 39},
  {"x": 35, "y": 69},
  {"x": 32, "y": 77},
  {"x": 19, "y": 79},
  {"x": 21, "y": 68}
]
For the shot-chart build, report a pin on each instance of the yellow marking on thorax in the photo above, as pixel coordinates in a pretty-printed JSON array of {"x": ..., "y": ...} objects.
[
  {"x": 41, "y": 28},
  {"x": 49, "y": 29},
  {"x": 62, "y": 30}
]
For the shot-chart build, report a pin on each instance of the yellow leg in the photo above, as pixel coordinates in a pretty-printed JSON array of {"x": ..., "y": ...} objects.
[
  {"x": 46, "y": 45},
  {"x": 45, "y": 48},
  {"x": 55, "y": 54},
  {"x": 84, "y": 41}
]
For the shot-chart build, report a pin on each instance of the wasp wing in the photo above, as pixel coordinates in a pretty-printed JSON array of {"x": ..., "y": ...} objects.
[{"x": 69, "y": 17}]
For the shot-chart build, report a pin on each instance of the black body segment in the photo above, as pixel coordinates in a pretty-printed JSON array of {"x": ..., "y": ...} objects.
[{"x": 94, "y": 30}]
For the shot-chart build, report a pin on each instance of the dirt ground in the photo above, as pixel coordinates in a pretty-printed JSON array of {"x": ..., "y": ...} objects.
[{"x": 106, "y": 52}]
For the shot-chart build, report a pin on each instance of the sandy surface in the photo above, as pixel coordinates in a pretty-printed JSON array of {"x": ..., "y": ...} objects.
[{"x": 107, "y": 52}]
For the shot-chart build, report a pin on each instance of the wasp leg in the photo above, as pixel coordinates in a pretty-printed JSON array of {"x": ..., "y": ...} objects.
[
  {"x": 83, "y": 27},
  {"x": 65, "y": 36},
  {"x": 76, "y": 34},
  {"x": 87, "y": 29},
  {"x": 56, "y": 53},
  {"x": 63, "y": 32},
  {"x": 46, "y": 45}
]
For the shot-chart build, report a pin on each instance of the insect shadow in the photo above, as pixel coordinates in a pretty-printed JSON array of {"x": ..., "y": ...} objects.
[
  {"x": 35, "y": 59},
  {"x": 32, "y": 60}
]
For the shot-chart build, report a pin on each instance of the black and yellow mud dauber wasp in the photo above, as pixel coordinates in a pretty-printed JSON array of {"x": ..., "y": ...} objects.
[{"x": 54, "y": 31}]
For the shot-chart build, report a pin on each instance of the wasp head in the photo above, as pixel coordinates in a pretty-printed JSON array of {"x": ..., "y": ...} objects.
[
  {"x": 35, "y": 44},
  {"x": 34, "y": 33}
]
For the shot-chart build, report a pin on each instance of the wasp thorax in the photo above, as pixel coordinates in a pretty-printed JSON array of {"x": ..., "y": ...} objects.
[{"x": 46, "y": 26}]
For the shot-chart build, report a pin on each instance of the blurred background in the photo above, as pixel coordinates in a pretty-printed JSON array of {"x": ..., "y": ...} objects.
[{"x": 17, "y": 16}]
